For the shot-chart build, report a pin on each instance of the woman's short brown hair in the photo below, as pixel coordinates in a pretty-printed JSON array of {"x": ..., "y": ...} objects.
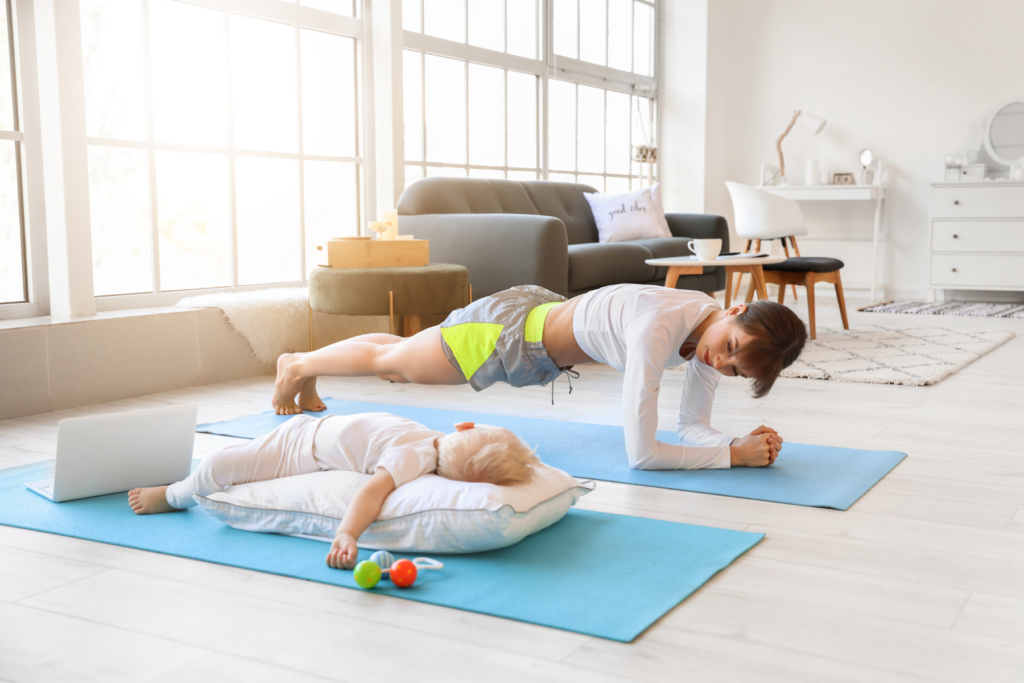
[{"x": 778, "y": 338}]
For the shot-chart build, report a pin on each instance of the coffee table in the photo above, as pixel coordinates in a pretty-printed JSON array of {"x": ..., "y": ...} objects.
[{"x": 691, "y": 265}]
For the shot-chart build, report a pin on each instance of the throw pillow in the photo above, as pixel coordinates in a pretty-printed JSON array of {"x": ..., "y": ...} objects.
[{"x": 632, "y": 216}]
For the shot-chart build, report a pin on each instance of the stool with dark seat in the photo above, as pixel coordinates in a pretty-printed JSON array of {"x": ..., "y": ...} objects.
[
  {"x": 805, "y": 270},
  {"x": 408, "y": 292}
]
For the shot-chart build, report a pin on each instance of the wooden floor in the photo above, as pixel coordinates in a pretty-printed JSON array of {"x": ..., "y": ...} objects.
[{"x": 921, "y": 580}]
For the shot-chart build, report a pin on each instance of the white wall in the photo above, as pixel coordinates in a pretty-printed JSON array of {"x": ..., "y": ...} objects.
[
  {"x": 682, "y": 104},
  {"x": 911, "y": 79}
]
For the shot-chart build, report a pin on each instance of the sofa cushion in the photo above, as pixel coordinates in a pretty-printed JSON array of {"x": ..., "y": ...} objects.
[
  {"x": 565, "y": 201},
  {"x": 465, "y": 195},
  {"x": 611, "y": 263}
]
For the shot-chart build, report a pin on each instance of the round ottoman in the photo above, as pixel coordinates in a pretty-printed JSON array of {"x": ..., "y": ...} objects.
[{"x": 407, "y": 292}]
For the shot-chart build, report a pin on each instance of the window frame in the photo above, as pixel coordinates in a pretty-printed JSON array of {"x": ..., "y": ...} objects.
[
  {"x": 380, "y": 155},
  {"x": 37, "y": 255},
  {"x": 28, "y": 306},
  {"x": 548, "y": 66},
  {"x": 298, "y": 17}
]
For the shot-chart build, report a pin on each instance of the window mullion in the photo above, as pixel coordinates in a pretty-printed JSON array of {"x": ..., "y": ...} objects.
[
  {"x": 231, "y": 149},
  {"x": 39, "y": 289},
  {"x": 150, "y": 146},
  {"x": 632, "y": 37},
  {"x": 423, "y": 104},
  {"x": 302, "y": 164},
  {"x": 467, "y": 101},
  {"x": 64, "y": 158},
  {"x": 548, "y": 50},
  {"x": 17, "y": 151}
]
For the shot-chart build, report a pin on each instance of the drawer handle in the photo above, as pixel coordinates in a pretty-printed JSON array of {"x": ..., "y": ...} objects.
[
  {"x": 954, "y": 270},
  {"x": 956, "y": 236},
  {"x": 957, "y": 202}
]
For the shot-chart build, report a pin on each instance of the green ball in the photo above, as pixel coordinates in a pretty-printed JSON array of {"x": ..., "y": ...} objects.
[{"x": 367, "y": 574}]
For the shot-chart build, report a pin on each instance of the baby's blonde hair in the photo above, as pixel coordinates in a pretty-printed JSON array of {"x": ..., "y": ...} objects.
[{"x": 485, "y": 453}]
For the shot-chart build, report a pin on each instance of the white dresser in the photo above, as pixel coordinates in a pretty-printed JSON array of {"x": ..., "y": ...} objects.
[{"x": 977, "y": 236}]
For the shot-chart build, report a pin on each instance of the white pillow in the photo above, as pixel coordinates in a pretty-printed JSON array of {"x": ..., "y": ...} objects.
[
  {"x": 429, "y": 514},
  {"x": 631, "y": 216}
]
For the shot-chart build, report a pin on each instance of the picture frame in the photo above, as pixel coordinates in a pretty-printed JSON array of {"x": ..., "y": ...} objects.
[{"x": 843, "y": 179}]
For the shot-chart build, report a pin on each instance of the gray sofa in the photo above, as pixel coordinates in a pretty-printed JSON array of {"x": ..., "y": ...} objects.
[{"x": 509, "y": 232}]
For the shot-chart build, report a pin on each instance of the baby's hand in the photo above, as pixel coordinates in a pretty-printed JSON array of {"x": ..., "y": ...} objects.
[{"x": 344, "y": 552}]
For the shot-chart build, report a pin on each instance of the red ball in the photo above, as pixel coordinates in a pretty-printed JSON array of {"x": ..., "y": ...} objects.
[{"x": 403, "y": 573}]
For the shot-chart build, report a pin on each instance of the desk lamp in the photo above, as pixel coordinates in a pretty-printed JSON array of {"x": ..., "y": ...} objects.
[{"x": 809, "y": 121}]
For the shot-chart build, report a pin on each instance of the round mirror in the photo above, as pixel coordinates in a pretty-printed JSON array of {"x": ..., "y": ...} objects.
[
  {"x": 1004, "y": 137},
  {"x": 867, "y": 157}
]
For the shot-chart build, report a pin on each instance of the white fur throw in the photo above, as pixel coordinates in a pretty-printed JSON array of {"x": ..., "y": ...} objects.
[{"x": 273, "y": 321}]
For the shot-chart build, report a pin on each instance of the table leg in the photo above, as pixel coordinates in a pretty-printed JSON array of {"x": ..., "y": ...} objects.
[
  {"x": 728, "y": 287},
  {"x": 672, "y": 277},
  {"x": 410, "y": 325},
  {"x": 310, "y": 325},
  {"x": 758, "y": 276},
  {"x": 785, "y": 248},
  {"x": 874, "y": 246},
  {"x": 809, "y": 286}
]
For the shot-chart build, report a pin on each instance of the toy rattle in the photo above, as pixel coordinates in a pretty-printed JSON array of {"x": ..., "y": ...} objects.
[{"x": 402, "y": 573}]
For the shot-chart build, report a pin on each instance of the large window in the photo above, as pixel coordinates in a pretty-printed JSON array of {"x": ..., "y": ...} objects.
[
  {"x": 223, "y": 160},
  {"x": 593, "y": 134},
  {"x": 527, "y": 89},
  {"x": 225, "y": 139},
  {"x": 13, "y": 248}
]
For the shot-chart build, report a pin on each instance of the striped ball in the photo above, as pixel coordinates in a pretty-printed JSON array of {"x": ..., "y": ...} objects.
[{"x": 383, "y": 558}]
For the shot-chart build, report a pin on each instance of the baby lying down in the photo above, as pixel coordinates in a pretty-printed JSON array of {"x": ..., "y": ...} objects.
[{"x": 392, "y": 449}]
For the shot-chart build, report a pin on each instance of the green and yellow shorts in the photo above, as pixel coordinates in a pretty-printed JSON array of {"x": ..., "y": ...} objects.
[{"x": 500, "y": 338}]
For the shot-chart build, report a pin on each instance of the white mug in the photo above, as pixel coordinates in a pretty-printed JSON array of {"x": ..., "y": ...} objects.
[{"x": 706, "y": 250}]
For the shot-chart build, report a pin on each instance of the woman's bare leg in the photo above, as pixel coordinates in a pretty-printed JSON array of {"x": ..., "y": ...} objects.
[
  {"x": 419, "y": 359},
  {"x": 287, "y": 385}
]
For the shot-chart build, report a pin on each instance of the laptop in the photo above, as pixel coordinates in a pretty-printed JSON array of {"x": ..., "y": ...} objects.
[{"x": 103, "y": 454}]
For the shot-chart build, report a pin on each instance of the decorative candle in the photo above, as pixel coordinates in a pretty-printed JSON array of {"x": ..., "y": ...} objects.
[{"x": 390, "y": 217}]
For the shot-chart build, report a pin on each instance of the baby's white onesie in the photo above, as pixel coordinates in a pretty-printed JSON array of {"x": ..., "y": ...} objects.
[{"x": 303, "y": 444}]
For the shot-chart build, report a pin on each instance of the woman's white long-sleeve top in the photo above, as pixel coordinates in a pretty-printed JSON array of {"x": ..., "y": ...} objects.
[{"x": 639, "y": 330}]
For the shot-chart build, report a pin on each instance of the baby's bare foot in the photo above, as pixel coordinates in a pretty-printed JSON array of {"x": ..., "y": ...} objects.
[
  {"x": 308, "y": 398},
  {"x": 286, "y": 386},
  {"x": 150, "y": 501}
]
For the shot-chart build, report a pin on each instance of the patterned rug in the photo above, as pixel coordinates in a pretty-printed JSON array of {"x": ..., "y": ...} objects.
[
  {"x": 971, "y": 308},
  {"x": 883, "y": 355}
]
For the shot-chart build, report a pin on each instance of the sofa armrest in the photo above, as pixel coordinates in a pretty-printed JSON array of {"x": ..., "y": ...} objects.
[
  {"x": 699, "y": 226},
  {"x": 500, "y": 250}
]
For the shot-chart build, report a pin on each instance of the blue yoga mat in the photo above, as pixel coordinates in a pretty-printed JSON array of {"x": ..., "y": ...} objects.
[
  {"x": 816, "y": 476},
  {"x": 594, "y": 573}
]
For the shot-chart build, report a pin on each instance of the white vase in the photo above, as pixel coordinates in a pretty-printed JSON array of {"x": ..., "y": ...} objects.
[{"x": 811, "y": 177}]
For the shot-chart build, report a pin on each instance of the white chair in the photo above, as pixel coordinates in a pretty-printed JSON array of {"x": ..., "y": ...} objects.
[{"x": 763, "y": 216}]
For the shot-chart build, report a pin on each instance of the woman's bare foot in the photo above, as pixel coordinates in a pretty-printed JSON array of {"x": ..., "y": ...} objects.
[
  {"x": 309, "y": 399},
  {"x": 287, "y": 385},
  {"x": 150, "y": 501}
]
